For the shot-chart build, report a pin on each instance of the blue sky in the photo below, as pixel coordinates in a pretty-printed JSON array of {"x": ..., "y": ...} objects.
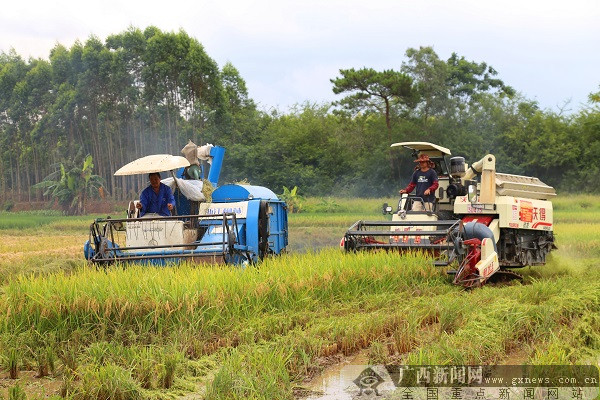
[{"x": 288, "y": 50}]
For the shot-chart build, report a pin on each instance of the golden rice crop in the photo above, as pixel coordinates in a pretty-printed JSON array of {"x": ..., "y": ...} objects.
[{"x": 136, "y": 330}]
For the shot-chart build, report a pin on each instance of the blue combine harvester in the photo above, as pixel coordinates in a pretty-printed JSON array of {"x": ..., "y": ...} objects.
[{"x": 241, "y": 224}]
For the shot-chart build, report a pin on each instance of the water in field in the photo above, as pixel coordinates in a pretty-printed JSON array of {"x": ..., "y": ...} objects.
[{"x": 336, "y": 381}]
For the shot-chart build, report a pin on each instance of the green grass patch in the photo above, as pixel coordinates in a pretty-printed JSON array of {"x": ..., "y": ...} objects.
[
  {"x": 29, "y": 219},
  {"x": 50, "y": 220}
]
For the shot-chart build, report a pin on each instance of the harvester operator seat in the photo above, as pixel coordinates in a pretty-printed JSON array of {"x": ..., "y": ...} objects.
[
  {"x": 419, "y": 205},
  {"x": 414, "y": 203}
]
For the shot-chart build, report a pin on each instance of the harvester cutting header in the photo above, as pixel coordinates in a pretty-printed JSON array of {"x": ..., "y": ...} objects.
[{"x": 485, "y": 221}]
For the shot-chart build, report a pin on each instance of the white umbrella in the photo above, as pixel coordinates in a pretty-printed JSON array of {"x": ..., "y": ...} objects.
[{"x": 153, "y": 163}]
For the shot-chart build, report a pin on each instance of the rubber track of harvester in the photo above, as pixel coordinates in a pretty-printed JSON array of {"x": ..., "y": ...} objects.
[{"x": 503, "y": 276}]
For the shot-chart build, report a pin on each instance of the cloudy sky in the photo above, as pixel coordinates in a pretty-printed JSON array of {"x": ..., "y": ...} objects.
[{"x": 288, "y": 50}]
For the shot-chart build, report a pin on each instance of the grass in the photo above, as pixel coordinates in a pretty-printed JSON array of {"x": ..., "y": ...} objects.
[
  {"x": 49, "y": 219},
  {"x": 334, "y": 206},
  {"x": 258, "y": 332}
]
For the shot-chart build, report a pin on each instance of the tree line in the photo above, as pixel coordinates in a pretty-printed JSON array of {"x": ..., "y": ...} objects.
[{"x": 143, "y": 92}]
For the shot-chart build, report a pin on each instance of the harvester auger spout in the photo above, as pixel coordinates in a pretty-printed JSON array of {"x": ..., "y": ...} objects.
[{"x": 483, "y": 222}]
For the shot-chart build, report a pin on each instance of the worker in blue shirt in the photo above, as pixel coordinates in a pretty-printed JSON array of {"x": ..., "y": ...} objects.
[{"x": 156, "y": 198}]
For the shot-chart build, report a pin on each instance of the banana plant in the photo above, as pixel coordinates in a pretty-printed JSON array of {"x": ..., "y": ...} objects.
[
  {"x": 72, "y": 185},
  {"x": 293, "y": 200}
]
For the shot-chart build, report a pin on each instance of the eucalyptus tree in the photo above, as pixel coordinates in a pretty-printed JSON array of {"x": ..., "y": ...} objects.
[
  {"x": 13, "y": 70},
  {"x": 25, "y": 89},
  {"x": 92, "y": 90},
  {"x": 205, "y": 99},
  {"x": 33, "y": 96},
  {"x": 181, "y": 83}
]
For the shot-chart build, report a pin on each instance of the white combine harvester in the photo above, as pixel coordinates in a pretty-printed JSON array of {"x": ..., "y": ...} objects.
[{"x": 485, "y": 221}]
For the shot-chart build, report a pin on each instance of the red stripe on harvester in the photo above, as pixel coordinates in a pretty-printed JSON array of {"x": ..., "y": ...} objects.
[
  {"x": 482, "y": 219},
  {"x": 542, "y": 224}
]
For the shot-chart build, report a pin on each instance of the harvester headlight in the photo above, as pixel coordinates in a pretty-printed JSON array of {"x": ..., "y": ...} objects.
[
  {"x": 386, "y": 209},
  {"x": 472, "y": 193}
]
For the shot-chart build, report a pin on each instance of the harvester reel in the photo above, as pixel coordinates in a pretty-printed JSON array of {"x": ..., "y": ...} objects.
[
  {"x": 458, "y": 252},
  {"x": 467, "y": 280},
  {"x": 104, "y": 250},
  {"x": 468, "y": 275}
]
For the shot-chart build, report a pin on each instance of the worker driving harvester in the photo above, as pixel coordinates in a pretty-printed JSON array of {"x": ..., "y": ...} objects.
[
  {"x": 426, "y": 181},
  {"x": 157, "y": 198}
]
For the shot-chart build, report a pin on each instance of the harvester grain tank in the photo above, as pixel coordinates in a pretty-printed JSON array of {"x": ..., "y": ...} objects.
[
  {"x": 484, "y": 221},
  {"x": 240, "y": 224}
]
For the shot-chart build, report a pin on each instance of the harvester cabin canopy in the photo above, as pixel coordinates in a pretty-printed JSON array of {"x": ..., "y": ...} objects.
[
  {"x": 436, "y": 154},
  {"x": 153, "y": 163},
  {"x": 432, "y": 150}
]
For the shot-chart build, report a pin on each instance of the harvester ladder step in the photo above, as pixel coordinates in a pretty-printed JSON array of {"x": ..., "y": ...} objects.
[{"x": 440, "y": 263}]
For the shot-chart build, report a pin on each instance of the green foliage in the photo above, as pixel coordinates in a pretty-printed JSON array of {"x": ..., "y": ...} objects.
[
  {"x": 468, "y": 78},
  {"x": 145, "y": 91},
  {"x": 383, "y": 92},
  {"x": 8, "y": 205},
  {"x": 107, "y": 382},
  {"x": 137, "y": 93},
  {"x": 293, "y": 200},
  {"x": 328, "y": 205},
  {"x": 430, "y": 74},
  {"x": 17, "y": 393},
  {"x": 448, "y": 87},
  {"x": 12, "y": 362},
  {"x": 72, "y": 185},
  {"x": 595, "y": 97},
  {"x": 235, "y": 89},
  {"x": 373, "y": 90}
]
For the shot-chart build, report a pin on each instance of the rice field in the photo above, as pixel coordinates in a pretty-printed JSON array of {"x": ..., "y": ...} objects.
[{"x": 68, "y": 330}]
